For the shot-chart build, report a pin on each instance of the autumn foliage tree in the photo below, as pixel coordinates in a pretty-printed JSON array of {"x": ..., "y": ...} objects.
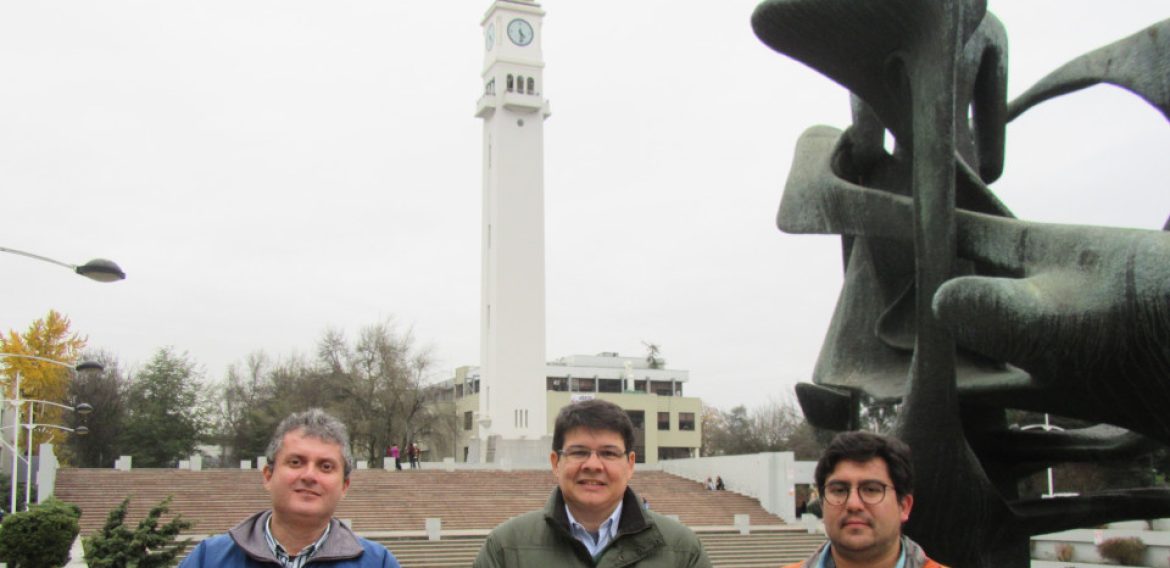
[{"x": 50, "y": 338}]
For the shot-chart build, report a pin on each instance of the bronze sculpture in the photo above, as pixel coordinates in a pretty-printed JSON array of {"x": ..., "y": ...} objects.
[{"x": 950, "y": 304}]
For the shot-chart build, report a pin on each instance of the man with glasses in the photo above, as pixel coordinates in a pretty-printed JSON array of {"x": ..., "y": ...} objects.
[
  {"x": 866, "y": 483},
  {"x": 592, "y": 518}
]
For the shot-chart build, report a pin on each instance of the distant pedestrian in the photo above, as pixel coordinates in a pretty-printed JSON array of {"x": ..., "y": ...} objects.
[
  {"x": 710, "y": 485},
  {"x": 414, "y": 456},
  {"x": 645, "y": 503},
  {"x": 396, "y": 455},
  {"x": 719, "y": 486}
]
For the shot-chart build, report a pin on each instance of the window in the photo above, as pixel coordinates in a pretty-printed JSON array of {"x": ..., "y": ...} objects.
[
  {"x": 511, "y": 83},
  {"x": 638, "y": 417},
  {"x": 609, "y": 385},
  {"x": 686, "y": 421},
  {"x": 673, "y": 453},
  {"x": 556, "y": 384},
  {"x": 664, "y": 421},
  {"x": 661, "y": 388},
  {"x": 531, "y": 86},
  {"x": 467, "y": 420}
]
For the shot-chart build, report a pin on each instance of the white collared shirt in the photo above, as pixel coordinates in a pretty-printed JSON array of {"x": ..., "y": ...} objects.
[{"x": 605, "y": 533}]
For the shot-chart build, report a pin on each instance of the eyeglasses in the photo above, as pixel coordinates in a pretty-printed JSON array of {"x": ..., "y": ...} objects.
[
  {"x": 871, "y": 492},
  {"x": 578, "y": 454}
]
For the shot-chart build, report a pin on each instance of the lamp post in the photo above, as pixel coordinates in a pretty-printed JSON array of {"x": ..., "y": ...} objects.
[
  {"x": 98, "y": 269},
  {"x": 17, "y": 401},
  {"x": 1047, "y": 427}
]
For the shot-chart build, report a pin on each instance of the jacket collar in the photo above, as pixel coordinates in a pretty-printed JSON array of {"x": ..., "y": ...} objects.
[
  {"x": 634, "y": 521},
  {"x": 249, "y": 536},
  {"x": 912, "y": 552}
]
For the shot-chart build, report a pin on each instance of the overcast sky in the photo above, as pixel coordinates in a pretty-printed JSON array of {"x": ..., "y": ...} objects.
[{"x": 263, "y": 170}]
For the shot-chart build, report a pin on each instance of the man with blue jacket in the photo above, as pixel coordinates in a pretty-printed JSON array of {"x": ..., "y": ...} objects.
[{"x": 307, "y": 475}]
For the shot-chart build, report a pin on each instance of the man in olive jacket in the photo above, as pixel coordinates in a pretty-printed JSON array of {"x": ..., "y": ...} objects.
[{"x": 592, "y": 518}]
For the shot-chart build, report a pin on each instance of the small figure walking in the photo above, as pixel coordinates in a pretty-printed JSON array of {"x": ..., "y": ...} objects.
[{"x": 397, "y": 457}]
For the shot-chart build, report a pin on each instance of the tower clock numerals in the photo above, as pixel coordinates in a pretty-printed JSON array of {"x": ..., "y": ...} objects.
[
  {"x": 490, "y": 36},
  {"x": 520, "y": 32}
]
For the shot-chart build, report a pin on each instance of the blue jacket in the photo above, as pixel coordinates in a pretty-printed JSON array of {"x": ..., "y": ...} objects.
[{"x": 244, "y": 546}]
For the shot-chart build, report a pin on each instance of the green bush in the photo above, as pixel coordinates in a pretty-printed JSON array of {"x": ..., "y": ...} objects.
[
  {"x": 41, "y": 536},
  {"x": 1128, "y": 551},
  {"x": 149, "y": 546}
]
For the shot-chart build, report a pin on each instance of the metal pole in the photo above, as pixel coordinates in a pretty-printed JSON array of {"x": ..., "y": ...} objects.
[
  {"x": 1048, "y": 428},
  {"x": 15, "y": 441},
  {"x": 28, "y": 460}
]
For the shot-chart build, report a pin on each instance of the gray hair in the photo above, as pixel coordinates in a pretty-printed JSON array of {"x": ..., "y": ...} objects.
[{"x": 315, "y": 423}]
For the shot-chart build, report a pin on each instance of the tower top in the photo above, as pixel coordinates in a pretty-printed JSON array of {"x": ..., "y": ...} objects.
[{"x": 527, "y": 6}]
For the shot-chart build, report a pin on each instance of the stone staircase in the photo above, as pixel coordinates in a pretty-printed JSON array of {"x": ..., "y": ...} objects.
[
  {"x": 378, "y": 500},
  {"x": 391, "y": 507}
]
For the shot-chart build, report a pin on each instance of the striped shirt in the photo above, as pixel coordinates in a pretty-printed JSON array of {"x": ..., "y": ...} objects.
[{"x": 281, "y": 554}]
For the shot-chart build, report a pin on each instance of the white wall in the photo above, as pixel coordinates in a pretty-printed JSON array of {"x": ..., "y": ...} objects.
[{"x": 770, "y": 477}]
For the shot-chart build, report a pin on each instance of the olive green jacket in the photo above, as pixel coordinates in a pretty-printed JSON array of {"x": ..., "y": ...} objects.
[{"x": 540, "y": 539}]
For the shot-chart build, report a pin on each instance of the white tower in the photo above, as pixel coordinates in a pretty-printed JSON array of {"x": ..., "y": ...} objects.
[{"x": 512, "y": 400}]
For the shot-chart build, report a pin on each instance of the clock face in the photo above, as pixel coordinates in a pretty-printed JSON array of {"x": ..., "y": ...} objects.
[
  {"x": 520, "y": 32},
  {"x": 490, "y": 36}
]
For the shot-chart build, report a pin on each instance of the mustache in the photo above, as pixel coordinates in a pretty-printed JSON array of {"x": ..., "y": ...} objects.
[{"x": 854, "y": 519}]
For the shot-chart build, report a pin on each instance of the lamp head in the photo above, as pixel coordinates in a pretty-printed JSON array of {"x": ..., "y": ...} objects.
[
  {"x": 89, "y": 366},
  {"x": 81, "y": 430},
  {"x": 83, "y": 408},
  {"x": 101, "y": 270}
]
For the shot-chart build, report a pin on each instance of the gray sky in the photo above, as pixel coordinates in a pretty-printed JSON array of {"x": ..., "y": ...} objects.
[{"x": 265, "y": 169}]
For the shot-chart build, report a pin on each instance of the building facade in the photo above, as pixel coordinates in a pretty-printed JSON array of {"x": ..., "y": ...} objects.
[{"x": 667, "y": 424}]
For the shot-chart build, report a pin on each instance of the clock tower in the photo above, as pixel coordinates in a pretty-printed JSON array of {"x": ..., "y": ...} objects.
[{"x": 512, "y": 417}]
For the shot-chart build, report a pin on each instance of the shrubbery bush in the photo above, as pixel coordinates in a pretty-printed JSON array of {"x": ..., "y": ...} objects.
[
  {"x": 1129, "y": 551},
  {"x": 41, "y": 536},
  {"x": 149, "y": 546}
]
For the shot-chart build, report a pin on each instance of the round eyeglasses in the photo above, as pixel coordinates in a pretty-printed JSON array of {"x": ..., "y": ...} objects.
[{"x": 870, "y": 492}]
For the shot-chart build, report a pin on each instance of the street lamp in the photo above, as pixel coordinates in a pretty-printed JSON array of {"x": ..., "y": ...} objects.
[
  {"x": 98, "y": 269},
  {"x": 82, "y": 409},
  {"x": 1047, "y": 427}
]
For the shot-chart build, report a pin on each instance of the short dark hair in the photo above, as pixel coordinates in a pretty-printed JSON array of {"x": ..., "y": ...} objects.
[
  {"x": 315, "y": 423},
  {"x": 863, "y": 447},
  {"x": 594, "y": 414}
]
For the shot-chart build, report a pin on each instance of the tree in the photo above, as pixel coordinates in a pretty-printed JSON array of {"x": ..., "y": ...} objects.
[
  {"x": 41, "y": 536},
  {"x": 654, "y": 355},
  {"x": 150, "y": 546},
  {"x": 247, "y": 414},
  {"x": 382, "y": 382},
  {"x": 772, "y": 427},
  {"x": 106, "y": 391},
  {"x": 165, "y": 416},
  {"x": 376, "y": 385},
  {"x": 51, "y": 338}
]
